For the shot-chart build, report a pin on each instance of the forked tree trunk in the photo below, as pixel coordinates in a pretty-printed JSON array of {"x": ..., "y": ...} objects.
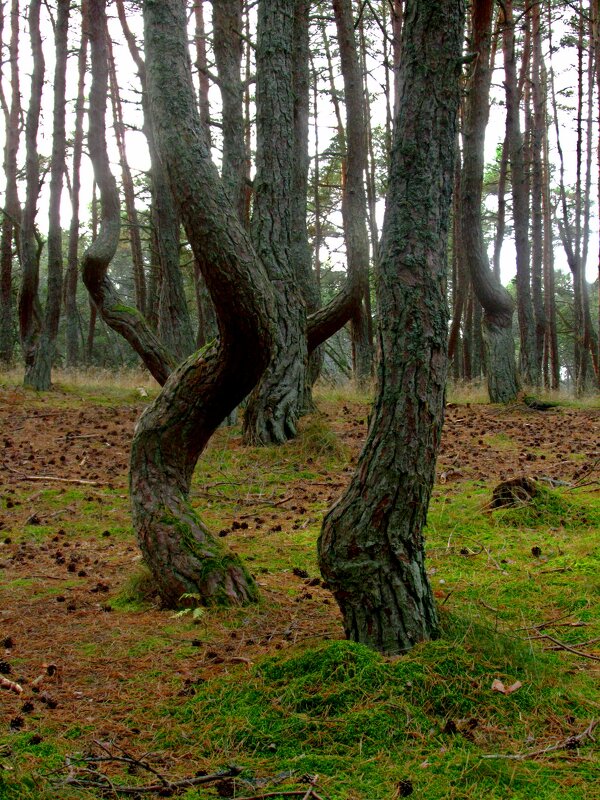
[
  {"x": 371, "y": 549},
  {"x": 497, "y": 303},
  {"x": 172, "y": 433}
]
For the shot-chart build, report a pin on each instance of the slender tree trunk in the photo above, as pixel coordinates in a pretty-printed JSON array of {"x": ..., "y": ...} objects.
[
  {"x": 274, "y": 406},
  {"x": 501, "y": 218},
  {"x": 537, "y": 216},
  {"x": 354, "y": 202},
  {"x": 39, "y": 377},
  {"x": 173, "y": 319},
  {"x": 135, "y": 241},
  {"x": 371, "y": 549},
  {"x": 172, "y": 433},
  {"x": 496, "y": 302},
  {"x": 30, "y": 316},
  {"x": 228, "y": 47},
  {"x": 551, "y": 357},
  {"x": 202, "y": 67},
  {"x": 11, "y": 218},
  {"x": 300, "y": 247},
  {"x": 123, "y": 319},
  {"x": 520, "y": 197},
  {"x": 71, "y": 313}
]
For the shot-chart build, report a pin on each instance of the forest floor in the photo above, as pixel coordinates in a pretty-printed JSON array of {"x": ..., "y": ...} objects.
[{"x": 273, "y": 688}]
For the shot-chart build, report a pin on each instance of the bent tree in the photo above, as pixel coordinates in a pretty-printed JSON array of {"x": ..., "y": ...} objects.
[
  {"x": 371, "y": 546},
  {"x": 171, "y": 434}
]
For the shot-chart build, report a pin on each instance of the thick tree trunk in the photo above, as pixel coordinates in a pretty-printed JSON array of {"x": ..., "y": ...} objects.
[
  {"x": 11, "y": 218},
  {"x": 496, "y": 302},
  {"x": 371, "y": 547},
  {"x": 40, "y": 374},
  {"x": 123, "y": 319},
  {"x": 274, "y": 406},
  {"x": 172, "y": 433}
]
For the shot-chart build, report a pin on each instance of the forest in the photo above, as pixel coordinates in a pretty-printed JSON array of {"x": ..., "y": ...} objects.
[{"x": 299, "y": 379}]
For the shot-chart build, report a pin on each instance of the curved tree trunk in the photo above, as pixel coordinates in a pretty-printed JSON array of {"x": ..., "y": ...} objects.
[
  {"x": 371, "y": 546},
  {"x": 496, "y": 302},
  {"x": 274, "y": 406},
  {"x": 123, "y": 319},
  {"x": 172, "y": 433},
  {"x": 40, "y": 374}
]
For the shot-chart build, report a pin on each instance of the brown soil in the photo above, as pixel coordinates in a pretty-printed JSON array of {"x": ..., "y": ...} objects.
[{"x": 114, "y": 667}]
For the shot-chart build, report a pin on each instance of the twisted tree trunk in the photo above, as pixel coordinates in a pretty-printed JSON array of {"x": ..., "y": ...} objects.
[{"x": 172, "y": 433}]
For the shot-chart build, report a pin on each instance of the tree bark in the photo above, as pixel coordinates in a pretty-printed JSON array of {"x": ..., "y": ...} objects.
[
  {"x": 172, "y": 433},
  {"x": 123, "y": 319},
  {"x": 274, "y": 406},
  {"x": 371, "y": 549},
  {"x": 496, "y": 302},
  {"x": 11, "y": 218}
]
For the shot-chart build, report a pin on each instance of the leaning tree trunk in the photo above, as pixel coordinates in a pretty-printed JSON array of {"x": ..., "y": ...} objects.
[
  {"x": 274, "y": 406},
  {"x": 172, "y": 433},
  {"x": 497, "y": 303},
  {"x": 371, "y": 548}
]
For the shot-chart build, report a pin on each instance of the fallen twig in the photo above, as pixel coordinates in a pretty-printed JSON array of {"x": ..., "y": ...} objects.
[
  {"x": 563, "y": 646},
  {"x": 25, "y": 477},
  {"x": 571, "y": 743},
  {"x": 576, "y": 644},
  {"x": 10, "y": 685}
]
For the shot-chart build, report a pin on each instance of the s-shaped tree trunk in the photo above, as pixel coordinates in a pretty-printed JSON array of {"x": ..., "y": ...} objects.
[
  {"x": 174, "y": 430},
  {"x": 371, "y": 549}
]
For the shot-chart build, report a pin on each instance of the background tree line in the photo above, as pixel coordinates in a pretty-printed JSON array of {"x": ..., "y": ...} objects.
[{"x": 537, "y": 190}]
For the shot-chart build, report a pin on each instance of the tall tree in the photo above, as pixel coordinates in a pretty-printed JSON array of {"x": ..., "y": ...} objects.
[
  {"x": 11, "y": 216},
  {"x": 30, "y": 316},
  {"x": 172, "y": 433},
  {"x": 70, "y": 292},
  {"x": 40, "y": 374},
  {"x": 354, "y": 201},
  {"x": 371, "y": 546},
  {"x": 274, "y": 406},
  {"x": 496, "y": 301}
]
